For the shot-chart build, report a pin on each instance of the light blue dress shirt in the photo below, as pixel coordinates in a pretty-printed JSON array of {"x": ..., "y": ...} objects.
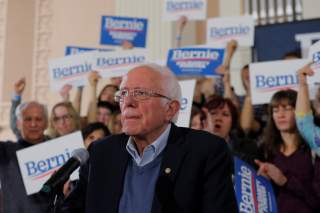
[{"x": 151, "y": 151}]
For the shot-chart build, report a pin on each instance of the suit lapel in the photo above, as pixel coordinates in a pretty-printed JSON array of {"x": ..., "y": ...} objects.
[
  {"x": 112, "y": 178},
  {"x": 172, "y": 159}
]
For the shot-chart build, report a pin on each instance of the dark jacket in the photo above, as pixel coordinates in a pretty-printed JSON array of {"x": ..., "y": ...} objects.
[{"x": 199, "y": 180}]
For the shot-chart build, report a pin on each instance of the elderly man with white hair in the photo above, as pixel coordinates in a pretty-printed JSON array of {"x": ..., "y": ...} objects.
[
  {"x": 154, "y": 166},
  {"x": 32, "y": 120}
]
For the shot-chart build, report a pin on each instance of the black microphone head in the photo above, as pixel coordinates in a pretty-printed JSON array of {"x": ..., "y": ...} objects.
[{"x": 81, "y": 154}]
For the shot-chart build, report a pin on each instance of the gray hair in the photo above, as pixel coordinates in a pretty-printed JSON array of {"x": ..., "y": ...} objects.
[
  {"x": 24, "y": 106},
  {"x": 170, "y": 83}
]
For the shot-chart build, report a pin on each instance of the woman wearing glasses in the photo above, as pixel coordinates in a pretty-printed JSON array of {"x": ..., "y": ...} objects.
[{"x": 64, "y": 120}]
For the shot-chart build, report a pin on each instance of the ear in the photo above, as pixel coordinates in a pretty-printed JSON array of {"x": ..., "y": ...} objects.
[{"x": 173, "y": 109}]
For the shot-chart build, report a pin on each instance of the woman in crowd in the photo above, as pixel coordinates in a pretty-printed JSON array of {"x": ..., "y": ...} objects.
[
  {"x": 304, "y": 115},
  {"x": 288, "y": 159},
  {"x": 221, "y": 118},
  {"x": 63, "y": 120}
]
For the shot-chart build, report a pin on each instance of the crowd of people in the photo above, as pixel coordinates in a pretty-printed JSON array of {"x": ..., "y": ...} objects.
[{"x": 158, "y": 167}]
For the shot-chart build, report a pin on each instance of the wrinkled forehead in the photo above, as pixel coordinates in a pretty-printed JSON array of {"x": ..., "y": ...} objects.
[{"x": 142, "y": 77}]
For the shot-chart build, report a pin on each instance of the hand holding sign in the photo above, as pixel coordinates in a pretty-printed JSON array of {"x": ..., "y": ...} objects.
[
  {"x": 303, "y": 72},
  {"x": 272, "y": 172},
  {"x": 65, "y": 92},
  {"x": 127, "y": 45},
  {"x": 93, "y": 78},
  {"x": 181, "y": 23},
  {"x": 230, "y": 50}
]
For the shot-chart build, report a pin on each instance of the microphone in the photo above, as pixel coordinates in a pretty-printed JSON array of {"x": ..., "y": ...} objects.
[{"x": 79, "y": 157}]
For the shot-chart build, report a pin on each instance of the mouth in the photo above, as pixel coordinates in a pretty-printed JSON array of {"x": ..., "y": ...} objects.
[
  {"x": 217, "y": 126},
  {"x": 282, "y": 122},
  {"x": 128, "y": 118}
]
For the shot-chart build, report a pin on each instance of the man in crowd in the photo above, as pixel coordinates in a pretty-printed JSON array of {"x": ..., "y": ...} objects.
[
  {"x": 154, "y": 166},
  {"x": 32, "y": 120}
]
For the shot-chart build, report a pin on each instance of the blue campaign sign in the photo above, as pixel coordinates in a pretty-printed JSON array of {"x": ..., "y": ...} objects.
[
  {"x": 254, "y": 193},
  {"x": 115, "y": 30},
  {"x": 195, "y": 61},
  {"x": 72, "y": 50}
]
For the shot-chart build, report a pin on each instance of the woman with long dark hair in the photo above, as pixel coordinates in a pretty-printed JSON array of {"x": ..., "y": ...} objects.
[{"x": 288, "y": 159}]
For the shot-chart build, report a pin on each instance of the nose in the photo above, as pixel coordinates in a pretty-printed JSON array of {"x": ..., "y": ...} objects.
[
  {"x": 128, "y": 101},
  {"x": 280, "y": 113},
  {"x": 33, "y": 123}
]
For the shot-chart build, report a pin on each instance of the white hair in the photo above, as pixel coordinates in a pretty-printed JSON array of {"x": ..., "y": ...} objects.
[
  {"x": 24, "y": 106},
  {"x": 170, "y": 84}
]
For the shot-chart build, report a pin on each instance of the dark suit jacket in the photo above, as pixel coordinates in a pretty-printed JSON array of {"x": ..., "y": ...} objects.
[{"x": 199, "y": 181}]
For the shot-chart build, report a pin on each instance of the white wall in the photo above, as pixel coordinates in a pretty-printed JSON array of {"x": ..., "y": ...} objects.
[{"x": 311, "y": 9}]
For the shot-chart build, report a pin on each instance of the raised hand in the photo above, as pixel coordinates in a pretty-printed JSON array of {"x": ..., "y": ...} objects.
[
  {"x": 303, "y": 72},
  {"x": 65, "y": 91},
  {"x": 93, "y": 78},
  {"x": 182, "y": 21},
  {"x": 19, "y": 86}
]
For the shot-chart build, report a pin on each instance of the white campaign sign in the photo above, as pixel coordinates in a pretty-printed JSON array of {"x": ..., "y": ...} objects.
[
  {"x": 38, "y": 162},
  {"x": 75, "y": 68},
  {"x": 266, "y": 78},
  {"x": 187, "y": 88},
  {"x": 72, "y": 69},
  {"x": 314, "y": 56},
  {"x": 118, "y": 63},
  {"x": 192, "y": 9},
  {"x": 224, "y": 29}
]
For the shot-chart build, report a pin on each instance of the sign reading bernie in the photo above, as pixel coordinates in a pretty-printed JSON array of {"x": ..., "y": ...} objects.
[
  {"x": 266, "y": 78},
  {"x": 254, "y": 193},
  {"x": 74, "y": 69},
  {"x": 224, "y": 29},
  {"x": 193, "y": 9},
  {"x": 115, "y": 30},
  {"x": 37, "y": 163},
  {"x": 194, "y": 61}
]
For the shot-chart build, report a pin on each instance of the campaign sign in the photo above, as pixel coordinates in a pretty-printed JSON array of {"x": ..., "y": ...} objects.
[
  {"x": 37, "y": 163},
  {"x": 254, "y": 193},
  {"x": 314, "y": 56},
  {"x": 71, "y": 69},
  {"x": 118, "y": 63},
  {"x": 193, "y": 9},
  {"x": 187, "y": 88},
  {"x": 195, "y": 61},
  {"x": 224, "y": 29},
  {"x": 73, "y": 50},
  {"x": 115, "y": 30},
  {"x": 266, "y": 78}
]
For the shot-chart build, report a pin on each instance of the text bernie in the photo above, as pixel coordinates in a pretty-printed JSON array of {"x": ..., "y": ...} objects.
[
  {"x": 126, "y": 25},
  {"x": 263, "y": 81},
  {"x": 36, "y": 168},
  {"x": 173, "y": 6},
  {"x": 194, "y": 54}
]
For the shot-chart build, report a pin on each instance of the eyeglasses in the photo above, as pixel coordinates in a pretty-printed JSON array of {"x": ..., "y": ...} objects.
[
  {"x": 62, "y": 118},
  {"x": 137, "y": 94}
]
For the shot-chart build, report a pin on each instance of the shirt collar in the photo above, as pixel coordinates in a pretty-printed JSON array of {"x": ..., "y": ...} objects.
[{"x": 152, "y": 151}]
